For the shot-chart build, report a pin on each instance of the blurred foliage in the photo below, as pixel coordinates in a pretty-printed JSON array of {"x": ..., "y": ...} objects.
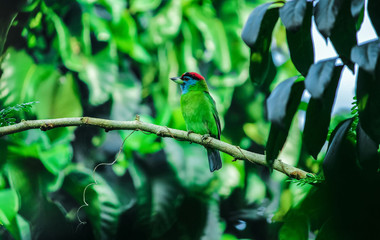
[{"x": 113, "y": 59}]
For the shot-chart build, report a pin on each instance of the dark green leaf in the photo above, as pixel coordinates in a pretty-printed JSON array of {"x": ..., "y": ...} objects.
[
  {"x": 373, "y": 12},
  {"x": 282, "y": 104},
  {"x": 329, "y": 230},
  {"x": 367, "y": 151},
  {"x": 367, "y": 92},
  {"x": 340, "y": 159},
  {"x": 257, "y": 34},
  {"x": 292, "y": 14},
  {"x": 103, "y": 208},
  {"x": 296, "y": 227},
  {"x": 356, "y": 7},
  {"x": 299, "y": 40},
  {"x": 260, "y": 67},
  {"x": 259, "y": 24},
  {"x": 326, "y": 13},
  {"x": 343, "y": 34},
  {"x": 318, "y": 113},
  {"x": 283, "y": 98},
  {"x": 366, "y": 55},
  {"x": 319, "y": 77},
  {"x": 8, "y": 12},
  {"x": 157, "y": 193}
]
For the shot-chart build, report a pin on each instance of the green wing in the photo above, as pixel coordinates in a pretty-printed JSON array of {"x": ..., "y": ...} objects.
[{"x": 214, "y": 112}]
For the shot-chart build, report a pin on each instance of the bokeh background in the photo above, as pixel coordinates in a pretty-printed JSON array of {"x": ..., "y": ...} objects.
[{"x": 112, "y": 59}]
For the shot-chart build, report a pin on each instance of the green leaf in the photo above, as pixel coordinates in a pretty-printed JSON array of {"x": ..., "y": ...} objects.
[
  {"x": 20, "y": 77},
  {"x": 340, "y": 159},
  {"x": 298, "y": 33},
  {"x": 292, "y": 14},
  {"x": 367, "y": 92},
  {"x": 282, "y": 104},
  {"x": 100, "y": 73},
  {"x": 367, "y": 151},
  {"x": 103, "y": 208},
  {"x": 157, "y": 194},
  {"x": 296, "y": 227},
  {"x": 144, "y": 5},
  {"x": 213, "y": 32},
  {"x": 343, "y": 35},
  {"x": 319, "y": 77},
  {"x": 356, "y": 7},
  {"x": 257, "y": 34},
  {"x": 318, "y": 112},
  {"x": 68, "y": 45},
  {"x": 259, "y": 25},
  {"x": 329, "y": 231},
  {"x": 59, "y": 97},
  {"x": 326, "y": 14},
  {"x": 6, "y": 22},
  {"x": 373, "y": 12},
  {"x": 124, "y": 33},
  {"x": 366, "y": 56},
  {"x": 19, "y": 228},
  {"x": 284, "y": 97},
  {"x": 165, "y": 24},
  {"x": 9, "y": 206}
]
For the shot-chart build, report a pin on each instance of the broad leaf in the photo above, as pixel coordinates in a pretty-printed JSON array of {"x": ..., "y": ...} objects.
[
  {"x": 157, "y": 193},
  {"x": 340, "y": 159},
  {"x": 367, "y": 92},
  {"x": 298, "y": 33},
  {"x": 9, "y": 206},
  {"x": 58, "y": 96},
  {"x": 367, "y": 151},
  {"x": 366, "y": 55},
  {"x": 257, "y": 34},
  {"x": 356, "y": 7},
  {"x": 259, "y": 24},
  {"x": 214, "y": 34},
  {"x": 296, "y": 227},
  {"x": 282, "y": 104},
  {"x": 318, "y": 112},
  {"x": 18, "y": 85},
  {"x": 100, "y": 72},
  {"x": 343, "y": 35},
  {"x": 292, "y": 14},
  {"x": 326, "y": 13},
  {"x": 103, "y": 208},
  {"x": 319, "y": 77}
]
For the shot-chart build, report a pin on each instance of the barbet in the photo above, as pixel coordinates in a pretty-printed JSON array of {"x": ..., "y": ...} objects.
[{"x": 199, "y": 111}]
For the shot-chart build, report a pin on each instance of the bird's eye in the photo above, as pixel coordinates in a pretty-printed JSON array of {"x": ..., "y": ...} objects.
[{"x": 186, "y": 78}]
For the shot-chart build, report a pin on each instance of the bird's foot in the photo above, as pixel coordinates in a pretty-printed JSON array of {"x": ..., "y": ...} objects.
[
  {"x": 204, "y": 137},
  {"x": 188, "y": 135}
]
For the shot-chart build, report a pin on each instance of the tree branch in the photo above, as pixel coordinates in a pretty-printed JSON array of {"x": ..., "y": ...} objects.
[{"x": 161, "y": 131}]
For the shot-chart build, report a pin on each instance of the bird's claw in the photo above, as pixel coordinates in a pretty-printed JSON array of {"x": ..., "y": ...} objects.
[{"x": 204, "y": 137}]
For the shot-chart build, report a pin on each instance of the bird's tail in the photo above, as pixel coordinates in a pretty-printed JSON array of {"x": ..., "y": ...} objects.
[{"x": 214, "y": 159}]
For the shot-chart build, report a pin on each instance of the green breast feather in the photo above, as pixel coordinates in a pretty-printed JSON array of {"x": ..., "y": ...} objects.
[{"x": 200, "y": 114}]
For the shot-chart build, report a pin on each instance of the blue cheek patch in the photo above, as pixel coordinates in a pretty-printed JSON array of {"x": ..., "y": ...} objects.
[{"x": 187, "y": 84}]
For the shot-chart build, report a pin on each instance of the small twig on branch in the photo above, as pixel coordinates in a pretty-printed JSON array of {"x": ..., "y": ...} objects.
[{"x": 161, "y": 131}]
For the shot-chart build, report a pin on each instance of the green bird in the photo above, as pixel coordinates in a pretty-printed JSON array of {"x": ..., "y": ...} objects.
[{"x": 199, "y": 111}]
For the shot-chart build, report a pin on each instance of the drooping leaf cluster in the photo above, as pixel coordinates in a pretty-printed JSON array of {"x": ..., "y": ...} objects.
[{"x": 351, "y": 161}]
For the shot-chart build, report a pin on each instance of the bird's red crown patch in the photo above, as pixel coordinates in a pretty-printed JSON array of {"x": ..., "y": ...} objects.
[{"x": 193, "y": 75}]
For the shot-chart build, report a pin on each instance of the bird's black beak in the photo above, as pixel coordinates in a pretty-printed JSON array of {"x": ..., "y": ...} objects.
[{"x": 177, "y": 80}]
